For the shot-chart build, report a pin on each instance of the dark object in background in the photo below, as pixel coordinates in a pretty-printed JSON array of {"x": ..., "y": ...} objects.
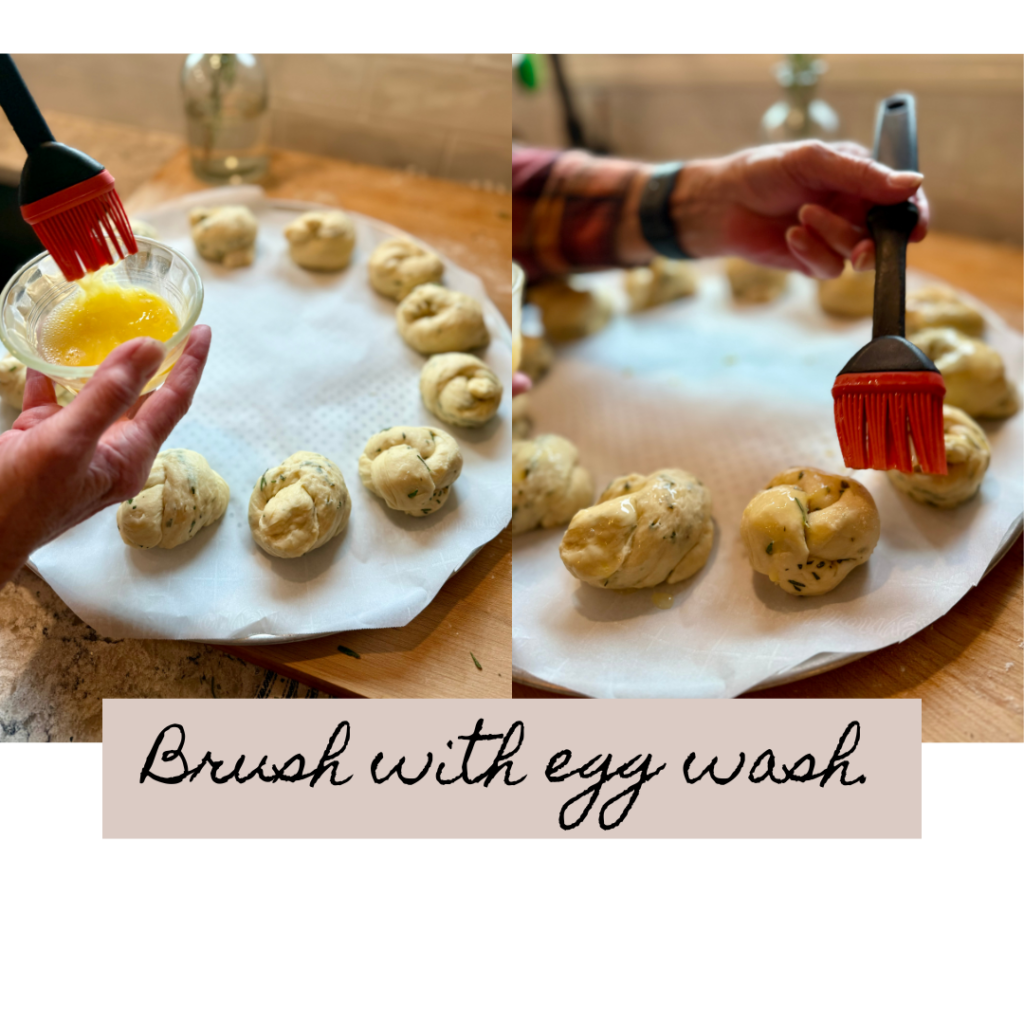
[
  {"x": 18, "y": 242},
  {"x": 573, "y": 128}
]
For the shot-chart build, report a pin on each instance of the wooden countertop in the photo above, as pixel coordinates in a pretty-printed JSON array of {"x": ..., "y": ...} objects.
[
  {"x": 471, "y": 617},
  {"x": 966, "y": 668}
]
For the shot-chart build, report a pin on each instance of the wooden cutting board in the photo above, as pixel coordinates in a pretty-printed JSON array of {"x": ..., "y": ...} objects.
[
  {"x": 460, "y": 645},
  {"x": 966, "y": 668}
]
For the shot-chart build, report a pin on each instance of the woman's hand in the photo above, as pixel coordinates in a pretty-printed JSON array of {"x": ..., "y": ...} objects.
[
  {"x": 799, "y": 206},
  {"x": 60, "y": 466}
]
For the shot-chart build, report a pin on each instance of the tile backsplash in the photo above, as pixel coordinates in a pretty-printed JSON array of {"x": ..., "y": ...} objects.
[{"x": 447, "y": 116}]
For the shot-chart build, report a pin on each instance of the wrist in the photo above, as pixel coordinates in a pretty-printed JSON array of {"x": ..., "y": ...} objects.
[
  {"x": 632, "y": 248},
  {"x": 689, "y": 207}
]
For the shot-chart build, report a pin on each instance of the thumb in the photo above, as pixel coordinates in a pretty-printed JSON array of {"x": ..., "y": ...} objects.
[{"x": 113, "y": 389}]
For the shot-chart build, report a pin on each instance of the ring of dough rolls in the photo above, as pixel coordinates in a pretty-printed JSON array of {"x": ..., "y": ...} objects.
[
  {"x": 663, "y": 281},
  {"x": 433, "y": 319},
  {"x": 400, "y": 264},
  {"x": 808, "y": 530},
  {"x": 321, "y": 240},
  {"x": 299, "y": 505},
  {"x": 411, "y": 468},
  {"x": 460, "y": 389},
  {"x": 549, "y": 486},
  {"x": 967, "y": 457},
  {"x": 181, "y": 495},
  {"x": 973, "y": 372},
  {"x": 225, "y": 234},
  {"x": 752, "y": 282},
  {"x": 13, "y": 374},
  {"x": 644, "y": 531},
  {"x": 851, "y": 294},
  {"x": 569, "y": 313},
  {"x": 935, "y": 305}
]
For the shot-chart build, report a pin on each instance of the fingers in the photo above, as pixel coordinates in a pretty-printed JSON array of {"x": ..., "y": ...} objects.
[
  {"x": 826, "y": 169},
  {"x": 835, "y": 231},
  {"x": 520, "y": 384},
  {"x": 158, "y": 416},
  {"x": 110, "y": 393},
  {"x": 38, "y": 390},
  {"x": 816, "y": 257}
]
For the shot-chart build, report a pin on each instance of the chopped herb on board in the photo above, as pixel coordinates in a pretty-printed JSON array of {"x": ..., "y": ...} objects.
[
  {"x": 348, "y": 651},
  {"x": 475, "y": 662}
]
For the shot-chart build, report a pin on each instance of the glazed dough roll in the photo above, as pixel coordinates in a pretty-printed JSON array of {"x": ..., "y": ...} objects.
[
  {"x": 400, "y": 264},
  {"x": 644, "y": 530},
  {"x": 321, "y": 240},
  {"x": 935, "y": 305},
  {"x": 851, "y": 294},
  {"x": 537, "y": 357},
  {"x": 548, "y": 483},
  {"x": 299, "y": 505},
  {"x": 460, "y": 389},
  {"x": 568, "y": 313},
  {"x": 752, "y": 282},
  {"x": 225, "y": 234},
  {"x": 967, "y": 457},
  {"x": 411, "y": 468},
  {"x": 973, "y": 372},
  {"x": 435, "y": 319},
  {"x": 181, "y": 495},
  {"x": 808, "y": 530},
  {"x": 663, "y": 281}
]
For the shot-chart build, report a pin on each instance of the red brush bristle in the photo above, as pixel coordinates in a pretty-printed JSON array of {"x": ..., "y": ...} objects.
[
  {"x": 80, "y": 224},
  {"x": 880, "y": 415}
]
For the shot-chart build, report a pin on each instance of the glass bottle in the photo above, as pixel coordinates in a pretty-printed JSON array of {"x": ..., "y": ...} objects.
[
  {"x": 799, "y": 114},
  {"x": 226, "y": 106}
]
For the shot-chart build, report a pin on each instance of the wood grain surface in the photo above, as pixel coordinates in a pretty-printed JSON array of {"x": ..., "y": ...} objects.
[
  {"x": 966, "y": 668},
  {"x": 471, "y": 617}
]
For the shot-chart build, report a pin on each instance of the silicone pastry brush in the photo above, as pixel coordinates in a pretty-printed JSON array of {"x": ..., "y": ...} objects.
[
  {"x": 889, "y": 394},
  {"x": 66, "y": 196}
]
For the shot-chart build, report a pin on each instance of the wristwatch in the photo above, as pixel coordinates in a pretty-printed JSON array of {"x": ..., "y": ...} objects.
[{"x": 656, "y": 222}]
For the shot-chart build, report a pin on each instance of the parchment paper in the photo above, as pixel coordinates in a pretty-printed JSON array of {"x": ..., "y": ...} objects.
[
  {"x": 300, "y": 360},
  {"x": 735, "y": 395}
]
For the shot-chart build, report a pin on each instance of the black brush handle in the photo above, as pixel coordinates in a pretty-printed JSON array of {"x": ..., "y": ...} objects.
[
  {"x": 890, "y": 226},
  {"x": 20, "y": 108}
]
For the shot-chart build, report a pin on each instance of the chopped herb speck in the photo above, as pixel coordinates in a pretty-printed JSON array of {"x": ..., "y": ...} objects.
[
  {"x": 475, "y": 662},
  {"x": 348, "y": 651}
]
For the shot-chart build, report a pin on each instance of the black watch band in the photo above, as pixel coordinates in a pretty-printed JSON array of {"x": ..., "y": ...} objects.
[{"x": 656, "y": 222}]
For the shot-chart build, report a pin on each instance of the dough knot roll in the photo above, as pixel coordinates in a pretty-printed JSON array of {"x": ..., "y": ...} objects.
[
  {"x": 460, "y": 389},
  {"x": 936, "y": 305},
  {"x": 754, "y": 283},
  {"x": 400, "y": 264},
  {"x": 663, "y": 281},
  {"x": 569, "y": 313},
  {"x": 13, "y": 374},
  {"x": 548, "y": 483},
  {"x": 974, "y": 373},
  {"x": 808, "y": 530},
  {"x": 321, "y": 240},
  {"x": 225, "y": 234},
  {"x": 299, "y": 505},
  {"x": 967, "y": 457},
  {"x": 411, "y": 468},
  {"x": 851, "y": 294},
  {"x": 436, "y": 319},
  {"x": 644, "y": 530},
  {"x": 181, "y": 495}
]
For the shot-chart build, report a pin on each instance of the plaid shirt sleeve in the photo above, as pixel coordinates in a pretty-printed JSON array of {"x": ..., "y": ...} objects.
[{"x": 566, "y": 210}]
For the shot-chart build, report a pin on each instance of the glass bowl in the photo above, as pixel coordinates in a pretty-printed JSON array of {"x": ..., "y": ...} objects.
[{"x": 39, "y": 287}]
